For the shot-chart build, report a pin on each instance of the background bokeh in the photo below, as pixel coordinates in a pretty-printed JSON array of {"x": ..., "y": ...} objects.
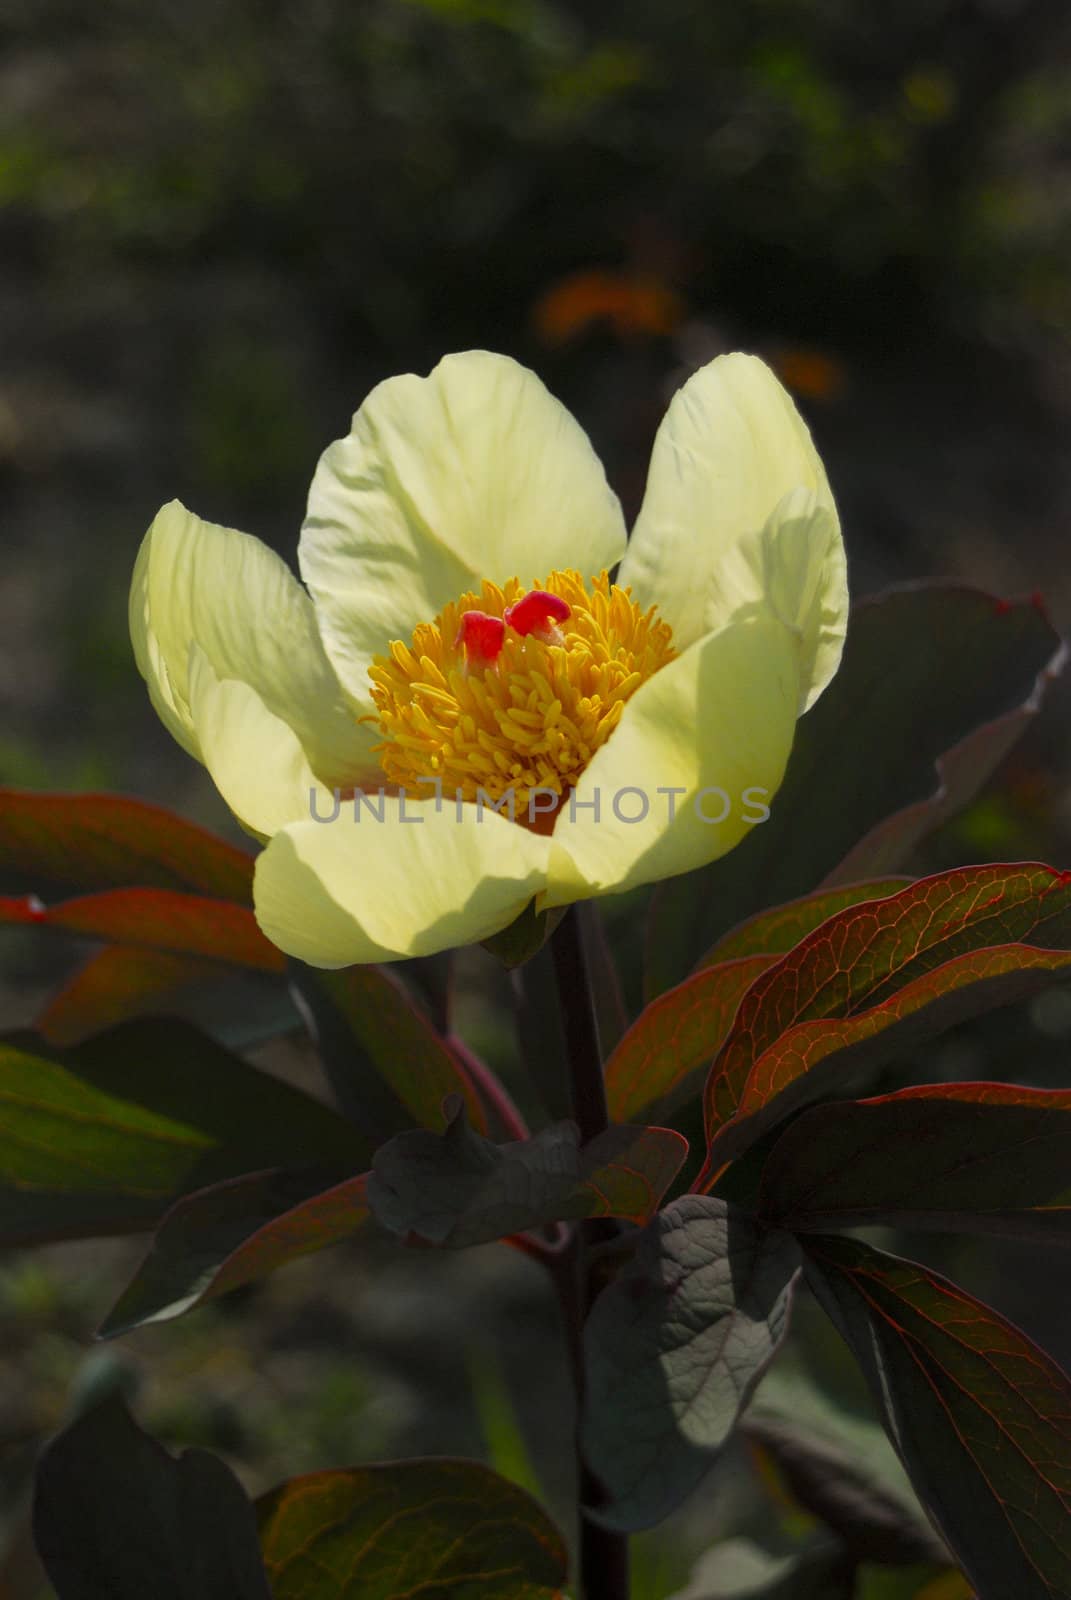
[{"x": 222, "y": 221}]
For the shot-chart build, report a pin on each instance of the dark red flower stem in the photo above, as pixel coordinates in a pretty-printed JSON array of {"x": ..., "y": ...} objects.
[{"x": 603, "y": 1556}]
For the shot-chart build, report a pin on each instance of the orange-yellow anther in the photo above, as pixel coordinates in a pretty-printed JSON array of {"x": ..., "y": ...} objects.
[{"x": 482, "y": 706}]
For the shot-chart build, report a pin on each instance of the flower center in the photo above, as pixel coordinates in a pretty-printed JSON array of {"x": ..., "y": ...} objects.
[{"x": 513, "y": 691}]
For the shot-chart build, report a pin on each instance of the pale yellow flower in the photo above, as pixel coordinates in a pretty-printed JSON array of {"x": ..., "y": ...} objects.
[{"x": 460, "y": 493}]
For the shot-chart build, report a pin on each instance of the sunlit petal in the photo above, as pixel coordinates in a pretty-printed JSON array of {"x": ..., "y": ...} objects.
[
  {"x": 228, "y": 593},
  {"x": 254, "y": 758},
  {"x": 730, "y": 449},
  {"x": 715, "y": 727},
  {"x": 422, "y": 879},
  {"x": 473, "y": 472}
]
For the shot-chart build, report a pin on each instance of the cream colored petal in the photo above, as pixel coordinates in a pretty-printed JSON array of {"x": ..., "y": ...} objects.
[
  {"x": 254, "y": 758},
  {"x": 196, "y": 583},
  {"x": 173, "y": 712},
  {"x": 730, "y": 449},
  {"x": 473, "y": 472},
  {"x": 797, "y": 564},
  {"x": 716, "y": 727},
  {"x": 334, "y": 893}
]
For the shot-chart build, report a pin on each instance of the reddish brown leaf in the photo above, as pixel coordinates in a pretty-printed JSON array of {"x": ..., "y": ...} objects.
[
  {"x": 120, "y": 982},
  {"x": 883, "y": 757},
  {"x": 879, "y": 975},
  {"x": 980, "y": 1157},
  {"x": 106, "y": 841},
  {"x": 231, "y": 1234},
  {"x": 155, "y": 919},
  {"x": 774, "y": 932},
  {"x": 675, "y": 1036},
  {"x": 387, "y": 1064},
  {"x": 980, "y": 1417}
]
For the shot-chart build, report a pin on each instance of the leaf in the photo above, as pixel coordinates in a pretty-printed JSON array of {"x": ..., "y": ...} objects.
[
  {"x": 979, "y": 1415},
  {"x": 881, "y": 975},
  {"x": 106, "y": 841},
  {"x": 681, "y": 1030},
  {"x": 457, "y": 1189},
  {"x": 116, "y": 1516},
  {"x": 405, "y": 1528},
  {"x": 904, "y": 736},
  {"x": 975, "y": 1157},
  {"x": 116, "y": 983},
  {"x": 742, "y": 1569},
  {"x": 673, "y": 1349},
  {"x": 103, "y": 1138},
  {"x": 778, "y": 930},
  {"x": 525, "y": 936},
  {"x": 541, "y": 1036},
  {"x": 607, "y": 995},
  {"x": 871, "y": 1524},
  {"x": 385, "y": 1061},
  {"x": 155, "y": 919},
  {"x": 675, "y": 1036},
  {"x": 231, "y": 1234},
  {"x": 926, "y": 1582},
  {"x": 240, "y": 1007}
]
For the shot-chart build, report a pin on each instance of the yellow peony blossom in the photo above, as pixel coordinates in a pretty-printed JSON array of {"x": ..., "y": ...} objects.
[{"x": 460, "y": 712}]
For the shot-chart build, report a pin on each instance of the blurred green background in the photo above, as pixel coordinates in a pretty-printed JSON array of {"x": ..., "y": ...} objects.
[{"x": 221, "y": 222}]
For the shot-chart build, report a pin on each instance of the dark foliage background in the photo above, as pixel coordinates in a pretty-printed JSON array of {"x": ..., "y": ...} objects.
[{"x": 222, "y": 221}]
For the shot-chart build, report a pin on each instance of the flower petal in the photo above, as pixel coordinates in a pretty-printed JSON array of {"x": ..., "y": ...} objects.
[
  {"x": 423, "y": 879},
  {"x": 731, "y": 447},
  {"x": 473, "y": 472},
  {"x": 797, "y": 563},
  {"x": 173, "y": 711},
  {"x": 196, "y": 583},
  {"x": 254, "y": 758},
  {"x": 716, "y": 725}
]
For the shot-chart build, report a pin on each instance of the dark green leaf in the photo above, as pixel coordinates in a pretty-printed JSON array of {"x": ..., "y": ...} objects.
[
  {"x": 434, "y": 1529},
  {"x": 458, "y": 1189},
  {"x": 607, "y": 993},
  {"x": 524, "y": 937},
  {"x": 117, "y": 1518},
  {"x": 871, "y": 1523},
  {"x": 104, "y": 1137},
  {"x": 976, "y": 1157},
  {"x": 980, "y": 1416},
  {"x": 674, "y": 1347},
  {"x": 902, "y": 738},
  {"x": 231, "y": 1234}
]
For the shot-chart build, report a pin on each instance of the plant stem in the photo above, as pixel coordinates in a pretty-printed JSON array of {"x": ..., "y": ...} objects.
[
  {"x": 604, "y": 1563},
  {"x": 580, "y": 1026}
]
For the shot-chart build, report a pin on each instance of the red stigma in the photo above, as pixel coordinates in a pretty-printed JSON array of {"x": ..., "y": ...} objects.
[
  {"x": 538, "y": 612},
  {"x": 480, "y": 636}
]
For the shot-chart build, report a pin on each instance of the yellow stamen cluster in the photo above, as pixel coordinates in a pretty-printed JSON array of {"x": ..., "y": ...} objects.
[{"x": 531, "y": 719}]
